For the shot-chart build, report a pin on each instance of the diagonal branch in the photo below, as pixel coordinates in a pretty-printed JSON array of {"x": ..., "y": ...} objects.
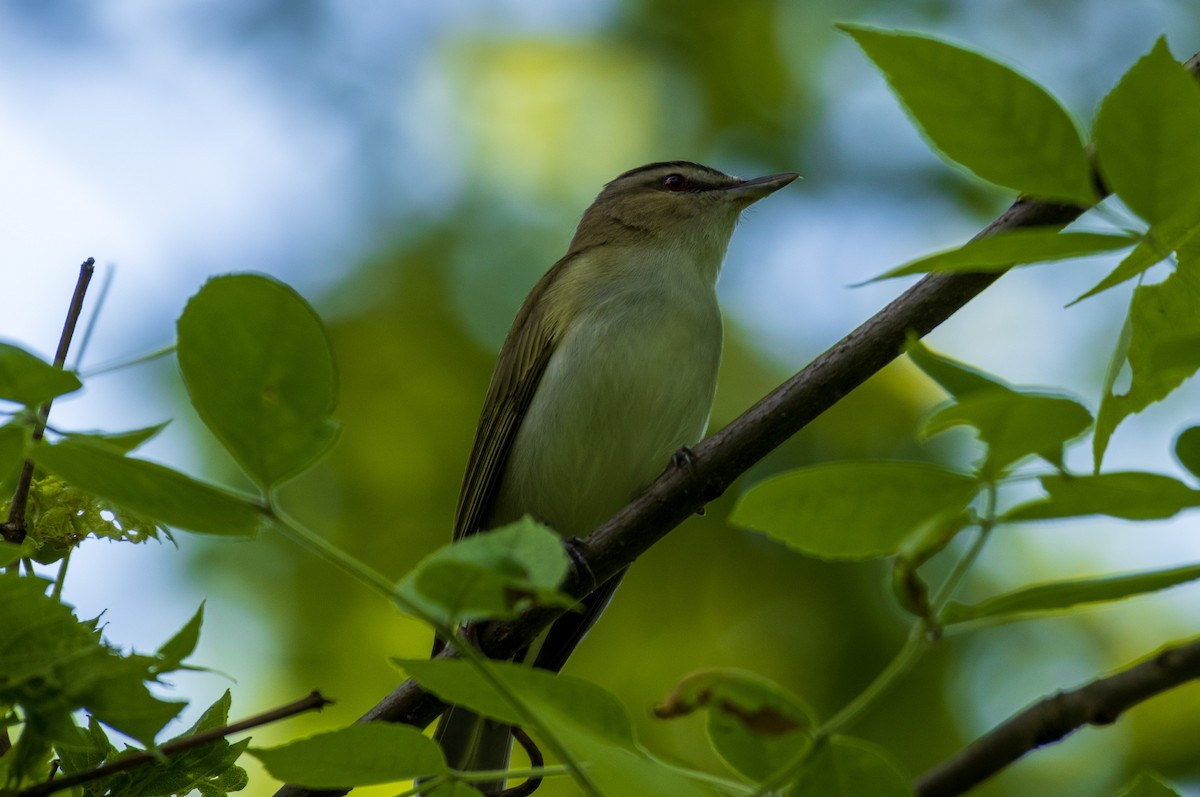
[
  {"x": 1053, "y": 718},
  {"x": 720, "y": 459}
]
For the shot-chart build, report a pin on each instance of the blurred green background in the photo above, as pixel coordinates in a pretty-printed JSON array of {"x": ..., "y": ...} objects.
[{"x": 413, "y": 168}]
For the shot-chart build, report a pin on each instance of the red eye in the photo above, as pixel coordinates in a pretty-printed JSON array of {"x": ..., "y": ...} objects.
[{"x": 674, "y": 182}]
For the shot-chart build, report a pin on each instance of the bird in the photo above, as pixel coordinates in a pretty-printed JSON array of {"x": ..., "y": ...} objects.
[{"x": 608, "y": 371}]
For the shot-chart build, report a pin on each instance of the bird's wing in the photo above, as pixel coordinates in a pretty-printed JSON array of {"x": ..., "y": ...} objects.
[{"x": 519, "y": 369}]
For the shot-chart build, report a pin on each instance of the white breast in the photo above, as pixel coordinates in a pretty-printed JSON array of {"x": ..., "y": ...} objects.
[{"x": 630, "y": 383}]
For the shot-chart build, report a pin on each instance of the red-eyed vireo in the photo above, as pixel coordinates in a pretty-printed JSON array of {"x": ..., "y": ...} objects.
[{"x": 609, "y": 369}]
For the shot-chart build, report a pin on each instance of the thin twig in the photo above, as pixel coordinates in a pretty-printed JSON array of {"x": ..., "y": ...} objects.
[
  {"x": 1053, "y": 718},
  {"x": 313, "y": 701},
  {"x": 13, "y": 529}
]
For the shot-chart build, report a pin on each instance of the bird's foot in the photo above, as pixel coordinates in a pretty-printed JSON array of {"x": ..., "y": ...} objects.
[{"x": 684, "y": 458}]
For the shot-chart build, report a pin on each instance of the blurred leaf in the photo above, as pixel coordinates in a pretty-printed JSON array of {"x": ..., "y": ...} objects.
[
  {"x": 14, "y": 438},
  {"x": 1148, "y": 784},
  {"x": 956, "y": 378},
  {"x": 260, "y": 372},
  {"x": 1131, "y": 495},
  {"x": 10, "y": 553},
  {"x": 499, "y": 573},
  {"x": 557, "y": 699},
  {"x": 1060, "y": 595},
  {"x": 1016, "y": 248},
  {"x": 121, "y": 442},
  {"x": 29, "y": 380},
  {"x": 976, "y": 112},
  {"x": 150, "y": 489},
  {"x": 362, "y": 754},
  {"x": 1164, "y": 347},
  {"x": 114, "y": 690},
  {"x": 1014, "y": 425},
  {"x": 88, "y": 751},
  {"x": 1146, "y": 136},
  {"x": 852, "y": 510},
  {"x": 1187, "y": 449},
  {"x": 848, "y": 767},
  {"x": 180, "y": 646},
  {"x": 755, "y": 725}
]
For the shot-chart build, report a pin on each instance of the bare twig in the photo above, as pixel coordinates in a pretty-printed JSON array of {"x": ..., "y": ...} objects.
[
  {"x": 1053, "y": 718},
  {"x": 723, "y": 457},
  {"x": 313, "y": 701},
  {"x": 13, "y": 529}
]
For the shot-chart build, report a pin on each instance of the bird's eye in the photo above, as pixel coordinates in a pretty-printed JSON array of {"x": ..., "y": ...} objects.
[{"x": 674, "y": 182}]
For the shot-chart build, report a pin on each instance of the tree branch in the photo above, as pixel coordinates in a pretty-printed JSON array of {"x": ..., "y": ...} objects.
[
  {"x": 314, "y": 701},
  {"x": 720, "y": 459},
  {"x": 13, "y": 528},
  {"x": 1053, "y": 718}
]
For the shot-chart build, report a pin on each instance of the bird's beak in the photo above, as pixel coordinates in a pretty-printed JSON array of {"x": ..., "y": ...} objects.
[{"x": 749, "y": 191}]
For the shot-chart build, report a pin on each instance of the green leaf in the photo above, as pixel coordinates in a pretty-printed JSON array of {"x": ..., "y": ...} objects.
[
  {"x": 1148, "y": 784},
  {"x": 1060, "y": 595},
  {"x": 121, "y": 442},
  {"x": 557, "y": 699},
  {"x": 149, "y": 489},
  {"x": 1131, "y": 495},
  {"x": 497, "y": 574},
  {"x": 29, "y": 380},
  {"x": 53, "y": 665},
  {"x": 755, "y": 725},
  {"x": 14, "y": 439},
  {"x": 114, "y": 690},
  {"x": 1187, "y": 449},
  {"x": 852, "y": 510},
  {"x": 847, "y": 767},
  {"x": 1146, "y": 136},
  {"x": 180, "y": 646},
  {"x": 956, "y": 378},
  {"x": 358, "y": 755},
  {"x": 1160, "y": 240},
  {"x": 260, "y": 371},
  {"x": 87, "y": 752},
  {"x": 1014, "y": 425},
  {"x": 1016, "y": 248},
  {"x": 1164, "y": 347},
  {"x": 976, "y": 112}
]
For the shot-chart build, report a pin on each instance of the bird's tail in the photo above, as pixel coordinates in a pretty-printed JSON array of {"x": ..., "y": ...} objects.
[{"x": 474, "y": 743}]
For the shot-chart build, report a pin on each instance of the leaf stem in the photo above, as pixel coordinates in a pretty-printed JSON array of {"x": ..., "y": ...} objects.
[
  {"x": 119, "y": 364},
  {"x": 56, "y": 593}
]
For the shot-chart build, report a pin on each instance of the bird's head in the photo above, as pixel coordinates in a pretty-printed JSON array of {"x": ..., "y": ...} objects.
[{"x": 674, "y": 203}]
